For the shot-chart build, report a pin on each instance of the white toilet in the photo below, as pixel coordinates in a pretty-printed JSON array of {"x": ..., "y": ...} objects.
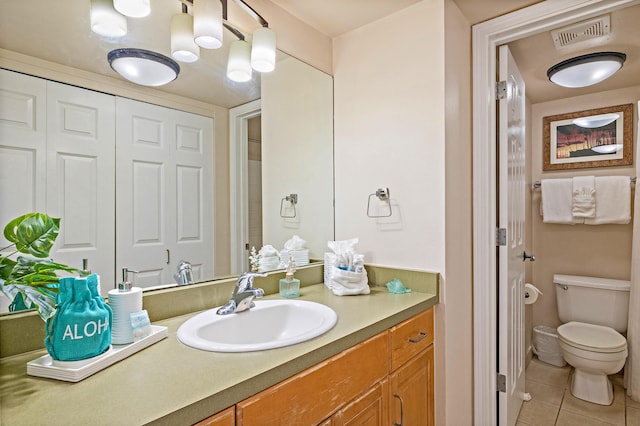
[{"x": 594, "y": 313}]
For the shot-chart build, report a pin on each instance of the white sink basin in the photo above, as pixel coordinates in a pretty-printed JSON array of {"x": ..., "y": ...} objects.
[{"x": 270, "y": 324}]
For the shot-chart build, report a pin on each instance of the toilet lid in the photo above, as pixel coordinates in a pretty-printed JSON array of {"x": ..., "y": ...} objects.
[{"x": 591, "y": 337}]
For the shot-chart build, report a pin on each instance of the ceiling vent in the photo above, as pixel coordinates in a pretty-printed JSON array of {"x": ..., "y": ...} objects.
[{"x": 586, "y": 31}]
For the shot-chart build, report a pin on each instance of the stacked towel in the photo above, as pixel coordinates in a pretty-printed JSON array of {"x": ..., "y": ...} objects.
[
  {"x": 584, "y": 197},
  {"x": 613, "y": 201},
  {"x": 269, "y": 259}
]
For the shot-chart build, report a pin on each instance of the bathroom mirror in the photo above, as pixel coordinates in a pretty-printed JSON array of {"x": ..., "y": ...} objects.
[{"x": 36, "y": 36}]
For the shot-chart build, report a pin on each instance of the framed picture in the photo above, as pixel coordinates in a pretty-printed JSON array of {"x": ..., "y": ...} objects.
[{"x": 594, "y": 138}]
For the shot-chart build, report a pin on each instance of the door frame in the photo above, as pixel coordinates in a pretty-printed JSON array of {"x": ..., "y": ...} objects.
[
  {"x": 239, "y": 190},
  {"x": 487, "y": 36}
]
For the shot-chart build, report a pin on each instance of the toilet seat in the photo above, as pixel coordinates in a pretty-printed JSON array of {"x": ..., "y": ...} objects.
[{"x": 591, "y": 337}]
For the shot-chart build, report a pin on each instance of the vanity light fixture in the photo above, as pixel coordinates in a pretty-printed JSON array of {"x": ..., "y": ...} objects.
[
  {"x": 239, "y": 62},
  {"x": 133, "y": 8},
  {"x": 586, "y": 70},
  {"x": 263, "y": 50},
  {"x": 183, "y": 46},
  {"x": 209, "y": 17},
  {"x": 143, "y": 66},
  {"x": 105, "y": 20},
  {"x": 207, "y": 23}
]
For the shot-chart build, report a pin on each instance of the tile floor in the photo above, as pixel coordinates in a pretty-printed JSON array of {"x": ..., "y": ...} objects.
[{"x": 552, "y": 403}]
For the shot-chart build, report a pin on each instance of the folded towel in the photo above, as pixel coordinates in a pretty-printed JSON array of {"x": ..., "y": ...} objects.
[
  {"x": 613, "y": 201},
  {"x": 557, "y": 201},
  {"x": 584, "y": 200}
]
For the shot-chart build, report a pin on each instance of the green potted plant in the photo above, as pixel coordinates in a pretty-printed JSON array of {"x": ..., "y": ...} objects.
[{"x": 31, "y": 282}]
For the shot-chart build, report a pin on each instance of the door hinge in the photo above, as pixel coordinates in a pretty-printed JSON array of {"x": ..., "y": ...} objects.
[
  {"x": 501, "y": 236},
  {"x": 501, "y": 89},
  {"x": 501, "y": 382}
]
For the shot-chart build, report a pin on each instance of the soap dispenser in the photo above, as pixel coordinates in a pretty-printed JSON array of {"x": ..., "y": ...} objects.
[
  {"x": 124, "y": 301},
  {"x": 289, "y": 286}
]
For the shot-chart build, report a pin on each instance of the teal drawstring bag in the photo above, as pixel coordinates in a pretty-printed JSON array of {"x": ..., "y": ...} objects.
[{"x": 81, "y": 326}]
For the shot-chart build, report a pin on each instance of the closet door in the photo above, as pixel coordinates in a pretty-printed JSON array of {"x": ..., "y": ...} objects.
[
  {"x": 22, "y": 146},
  {"x": 80, "y": 177},
  {"x": 164, "y": 187}
]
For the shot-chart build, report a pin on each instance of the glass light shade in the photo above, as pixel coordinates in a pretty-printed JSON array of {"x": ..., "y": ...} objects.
[
  {"x": 239, "y": 65},
  {"x": 607, "y": 149},
  {"x": 143, "y": 66},
  {"x": 133, "y": 8},
  {"x": 263, "y": 51},
  {"x": 183, "y": 48},
  {"x": 207, "y": 23},
  {"x": 586, "y": 70},
  {"x": 105, "y": 20},
  {"x": 595, "y": 121}
]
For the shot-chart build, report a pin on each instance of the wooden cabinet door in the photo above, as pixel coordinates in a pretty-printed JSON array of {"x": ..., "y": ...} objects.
[
  {"x": 370, "y": 409},
  {"x": 411, "y": 392},
  {"x": 223, "y": 418}
]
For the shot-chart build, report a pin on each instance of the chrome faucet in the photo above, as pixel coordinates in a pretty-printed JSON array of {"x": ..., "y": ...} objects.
[{"x": 243, "y": 294}]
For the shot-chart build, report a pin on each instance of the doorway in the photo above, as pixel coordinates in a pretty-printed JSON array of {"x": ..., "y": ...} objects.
[{"x": 487, "y": 37}]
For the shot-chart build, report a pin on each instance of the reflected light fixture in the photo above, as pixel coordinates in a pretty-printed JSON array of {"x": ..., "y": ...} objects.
[
  {"x": 595, "y": 121},
  {"x": 239, "y": 63},
  {"x": 263, "y": 50},
  {"x": 105, "y": 20},
  {"x": 133, "y": 8},
  {"x": 586, "y": 70},
  {"x": 183, "y": 46},
  {"x": 207, "y": 23},
  {"x": 143, "y": 66}
]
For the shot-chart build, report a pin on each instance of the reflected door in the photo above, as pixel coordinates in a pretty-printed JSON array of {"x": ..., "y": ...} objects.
[
  {"x": 80, "y": 180},
  {"x": 164, "y": 205}
]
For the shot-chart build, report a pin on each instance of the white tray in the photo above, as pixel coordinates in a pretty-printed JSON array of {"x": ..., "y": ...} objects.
[{"x": 74, "y": 371}]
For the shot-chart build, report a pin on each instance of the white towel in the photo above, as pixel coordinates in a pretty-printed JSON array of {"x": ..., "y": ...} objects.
[
  {"x": 584, "y": 200},
  {"x": 557, "y": 201},
  {"x": 613, "y": 200}
]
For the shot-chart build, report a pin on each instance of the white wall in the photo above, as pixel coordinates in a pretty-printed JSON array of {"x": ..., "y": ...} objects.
[
  {"x": 389, "y": 132},
  {"x": 297, "y": 155},
  {"x": 390, "y": 109}
]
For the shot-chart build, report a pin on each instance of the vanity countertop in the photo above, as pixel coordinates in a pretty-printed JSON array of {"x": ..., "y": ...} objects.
[{"x": 170, "y": 383}]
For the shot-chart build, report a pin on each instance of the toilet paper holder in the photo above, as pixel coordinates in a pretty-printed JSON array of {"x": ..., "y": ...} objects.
[{"x": 531, "y": 293}]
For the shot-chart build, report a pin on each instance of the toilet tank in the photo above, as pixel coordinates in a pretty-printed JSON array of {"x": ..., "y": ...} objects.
[{"x": 600, "y": 301}]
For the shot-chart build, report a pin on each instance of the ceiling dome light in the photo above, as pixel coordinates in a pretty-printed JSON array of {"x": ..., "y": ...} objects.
[
  {"x": 143, "y": 66},
  {"x": 607, "y": 149},
  {"x": 133, "y": 8},
  {"x": 586, "y": 70},
  {"x": 183, "y": 48},
  {"x": 207, "y": 23},
  {"x": 595, "y": 121},
  {"x": 263, "y": 51},
  {"x": 105, "y": 20},
  {"x": 239, "y": 65}
]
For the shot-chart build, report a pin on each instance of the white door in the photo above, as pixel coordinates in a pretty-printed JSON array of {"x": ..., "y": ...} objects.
[
  {"x": 511, "y": 206},
  {"x": 80, "y": 177},
  {"x": 164, "y": 205},
  {"x": 23, "y": 141}
]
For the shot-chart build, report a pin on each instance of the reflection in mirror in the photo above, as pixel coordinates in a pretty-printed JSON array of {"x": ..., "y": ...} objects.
[{"x": 291, "y": 129}]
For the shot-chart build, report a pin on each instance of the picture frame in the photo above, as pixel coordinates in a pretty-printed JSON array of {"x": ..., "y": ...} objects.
[{"x": 599, "y": 137}]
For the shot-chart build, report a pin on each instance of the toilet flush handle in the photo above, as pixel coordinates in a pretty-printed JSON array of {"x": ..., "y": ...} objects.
[{"x": 526, "y": 256}]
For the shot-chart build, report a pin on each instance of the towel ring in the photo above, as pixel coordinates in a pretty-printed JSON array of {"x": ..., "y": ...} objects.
[
  {"x": 383, "y": 195},
  {"x": 293, "y": 199}
]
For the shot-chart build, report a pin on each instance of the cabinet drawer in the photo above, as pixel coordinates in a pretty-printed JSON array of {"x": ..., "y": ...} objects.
[
  {"x": 410, "y": 337},
  {"x": 319, "y": 391}
]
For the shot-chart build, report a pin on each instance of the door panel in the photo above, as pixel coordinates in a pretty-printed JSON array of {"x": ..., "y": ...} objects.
[
  {"x": 22, "y": 146},
  {"x": 165, "y": 195},
  {"x": 80, "y": 180},
  {"x": 511, "y": 212}
]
